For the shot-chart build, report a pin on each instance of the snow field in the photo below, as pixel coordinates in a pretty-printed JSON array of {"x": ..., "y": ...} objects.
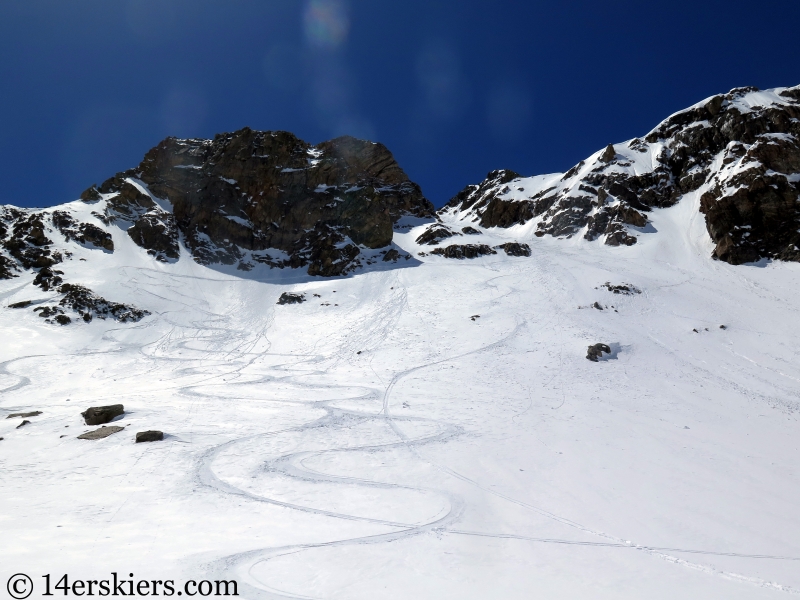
[{"x": 451, "y": 458}]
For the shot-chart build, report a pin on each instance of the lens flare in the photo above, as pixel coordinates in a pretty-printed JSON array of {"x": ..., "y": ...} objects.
[{"x": 326, "y": 23}]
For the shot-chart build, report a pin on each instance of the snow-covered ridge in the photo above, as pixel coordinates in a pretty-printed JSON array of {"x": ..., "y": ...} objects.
[
  {"x": 738, "y": 152},
  {"x": 252, "y": 200}
]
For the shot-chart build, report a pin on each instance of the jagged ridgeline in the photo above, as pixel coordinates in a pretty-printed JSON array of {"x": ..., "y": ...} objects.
[
  {"x": 263, "y": 197},
  {"x": 240, "y": 199},
  {"x": 737, "y": 155}
]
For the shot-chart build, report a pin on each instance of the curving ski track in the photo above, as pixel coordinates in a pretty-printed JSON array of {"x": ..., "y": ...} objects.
[
  {"x": 232, "y": 347},
  {"x": 292, "y": 465}
]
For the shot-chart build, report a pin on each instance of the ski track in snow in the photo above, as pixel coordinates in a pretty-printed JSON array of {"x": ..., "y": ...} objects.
[
  {"x": 217, "y": 352},
  {"x": 292, "y": 465}
]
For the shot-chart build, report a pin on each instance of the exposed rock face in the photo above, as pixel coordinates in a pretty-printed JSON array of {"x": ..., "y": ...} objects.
[
  {"x": 6, "y": 268},
  {"x": 738, "y": 152},
  {"x": 98, "y": 415},
  {"x": 84, "y": 233},
  {"x": 752, "y": 207},
  {"x": 26, "y": 238},
  {"x": 157, "y": 233},
  {"x": 261, "y": 196}
]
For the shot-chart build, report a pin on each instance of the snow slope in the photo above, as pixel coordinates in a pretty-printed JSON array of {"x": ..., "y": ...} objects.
[{"x": 378, "y": 442}]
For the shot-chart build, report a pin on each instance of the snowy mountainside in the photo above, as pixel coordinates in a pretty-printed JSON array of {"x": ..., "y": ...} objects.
[
  {"x": 432, "y": 432},
  {"x": 42, "y": 244},
  {"x": 404, "y": 428},
  {"x": 738, "y": 152},
  {"x": 247, "y": 200}
]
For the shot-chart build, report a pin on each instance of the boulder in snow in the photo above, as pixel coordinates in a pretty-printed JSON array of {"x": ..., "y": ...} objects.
[
  {"x": 596, "y": 352},
  {"x": 98, "y": 415},
  {"x": 149, "y": 436}
]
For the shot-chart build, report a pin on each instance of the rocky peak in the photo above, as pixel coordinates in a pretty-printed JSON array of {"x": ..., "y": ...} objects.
[
  {"x": 242, "y": 198},
  {"x": 739, "y": 153},
  {"x": 263, "y": 196}
]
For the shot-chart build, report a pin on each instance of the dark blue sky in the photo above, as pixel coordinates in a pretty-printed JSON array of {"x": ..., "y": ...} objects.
[{"x": 453, "y": 88}]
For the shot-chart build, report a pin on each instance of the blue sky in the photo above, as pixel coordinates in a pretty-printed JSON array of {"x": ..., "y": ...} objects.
[{"x": 453, "y": 88}]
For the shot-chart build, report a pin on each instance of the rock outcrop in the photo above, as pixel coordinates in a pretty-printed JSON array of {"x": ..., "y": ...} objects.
[
  {"x": 83, "y": 233},
  {"x": 81, "y": 300},
  {"x": 265, "y": 197},
  {"x": 461, "y": 251},
  {"x": 738, "y": 153},
  {"x": 89, "y": 305},
  {"x": 516, "y": 249},
  {"x": 24, "y": 239},
  {"x": 626, "y": 289},
  {"x": 435, "y": 234},
  {"x": 27, "y": 244},
  {"x": 291, "y": 298},
  {"x": 595, "y": 352}
]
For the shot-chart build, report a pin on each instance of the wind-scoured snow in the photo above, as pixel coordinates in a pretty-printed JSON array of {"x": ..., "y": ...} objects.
[{"x": 425, "y": 429}]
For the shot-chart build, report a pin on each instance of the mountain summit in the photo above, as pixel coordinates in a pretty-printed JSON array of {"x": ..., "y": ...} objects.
[{"x": 262, "y": 197}]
